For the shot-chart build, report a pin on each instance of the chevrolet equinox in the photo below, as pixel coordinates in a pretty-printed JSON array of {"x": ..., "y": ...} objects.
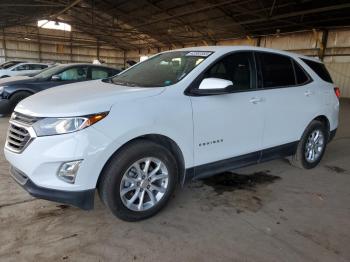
[{"x": 180, "y": 115}]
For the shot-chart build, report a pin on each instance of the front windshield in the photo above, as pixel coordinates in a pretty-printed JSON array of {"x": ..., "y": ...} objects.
[
  {"x": 50, "y": 71},
  {"x": 161, "y": 70}
]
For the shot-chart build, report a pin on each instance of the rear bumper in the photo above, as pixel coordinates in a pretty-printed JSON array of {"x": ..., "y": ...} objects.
[
  {"x": 81, "y": 199},
  {"x": 4, "y": 106}
]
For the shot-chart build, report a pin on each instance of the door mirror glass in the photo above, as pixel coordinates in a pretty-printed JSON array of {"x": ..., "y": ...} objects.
[
  {"x": 215, "y": 84},
  {"x": 56, "y": 78}
]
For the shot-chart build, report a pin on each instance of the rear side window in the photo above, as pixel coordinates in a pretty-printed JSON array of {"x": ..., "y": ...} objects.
[
  {"x": 319, "y": 69},
  {"x": 113, "y": 72},
  {"x": 99, "y": 73},
  {"x": 36, "y": 67},
  {"x": 300, "y": 75},
  {"x": 277, "y": 70},
  {"x": 21, "y": 68}
]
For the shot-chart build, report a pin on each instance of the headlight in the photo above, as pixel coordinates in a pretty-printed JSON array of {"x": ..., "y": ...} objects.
[
  {"x": 63, "y": 125},
  {"x": 2, "y": 89}
]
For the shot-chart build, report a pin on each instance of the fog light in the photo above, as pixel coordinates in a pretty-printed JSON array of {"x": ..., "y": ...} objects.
[{"x": 68, "y": 171}]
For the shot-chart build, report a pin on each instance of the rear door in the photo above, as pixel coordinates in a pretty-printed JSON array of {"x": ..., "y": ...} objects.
[
  {"x": 290, "y": 99},
  {"x": 229, "y": 125},
  {"x": 21, "y": 69}
]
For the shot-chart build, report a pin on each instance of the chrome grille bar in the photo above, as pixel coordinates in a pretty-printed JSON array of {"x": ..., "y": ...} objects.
[{"x": 18, "y": 135}]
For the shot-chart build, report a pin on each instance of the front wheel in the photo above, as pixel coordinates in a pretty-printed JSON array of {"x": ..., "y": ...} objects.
[
  {"x": 311, "y": 147},
  {"x": 16, "y": 98},
  {"x": 139, "y": 180}
]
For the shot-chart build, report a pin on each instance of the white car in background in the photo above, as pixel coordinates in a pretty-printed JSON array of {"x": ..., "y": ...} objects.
[
  {"x": 22, "y": 69},
  {"x": 178, "y": 116}
]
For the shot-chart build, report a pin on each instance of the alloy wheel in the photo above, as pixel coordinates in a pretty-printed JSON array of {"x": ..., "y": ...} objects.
[{"x": 144, "y": 184}]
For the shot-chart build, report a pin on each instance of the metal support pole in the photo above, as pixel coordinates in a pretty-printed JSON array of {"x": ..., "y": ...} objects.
[
  {"x": 98, "y": 50},
  {"x": 4, "y": 43},
  {"x": 258, "y": 41},
  {"x": 39, "y": 46},
  {"x": 124, "y": 58},
  {"x": 323, "y": 46},
  {"x": 71, "y": 47}
]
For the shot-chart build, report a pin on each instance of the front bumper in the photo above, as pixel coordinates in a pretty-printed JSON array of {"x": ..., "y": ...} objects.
[
  {"x": 42, "y": 158},
  {"x": 82, "y": 199}
]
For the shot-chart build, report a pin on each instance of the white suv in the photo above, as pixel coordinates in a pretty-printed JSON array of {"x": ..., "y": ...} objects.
[{"x": 178, "y": 116}]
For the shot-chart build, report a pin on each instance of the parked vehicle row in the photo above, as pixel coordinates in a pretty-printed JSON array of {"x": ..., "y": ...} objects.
[
  {"x": 11, "y": 92},
  {"x": 178, "y": 116},
  {"x": 21, "y": 69}
]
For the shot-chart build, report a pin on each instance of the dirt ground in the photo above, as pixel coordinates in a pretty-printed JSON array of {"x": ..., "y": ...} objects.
[{"x": 268, "y": 212}]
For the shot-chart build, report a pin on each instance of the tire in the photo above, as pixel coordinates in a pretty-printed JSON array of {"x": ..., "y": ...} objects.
[
  {"x": 120, "y": 175},
  {"x": 303, "y": 156},
  {"x": 16, "y": 98}
]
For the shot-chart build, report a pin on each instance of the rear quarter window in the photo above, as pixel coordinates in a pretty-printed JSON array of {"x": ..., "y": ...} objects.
[
  {"x": 320, "y": 69},
  {"x": 300, "y": 75}
]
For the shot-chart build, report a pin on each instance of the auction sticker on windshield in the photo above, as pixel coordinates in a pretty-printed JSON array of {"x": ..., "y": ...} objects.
[{"x": 199, "y": 53}]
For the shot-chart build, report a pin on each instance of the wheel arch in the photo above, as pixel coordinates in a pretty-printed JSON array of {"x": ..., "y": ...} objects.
[
  {"x": 21, "y": 91},
  {"x": 159, "y": 139},
  {"x": 324, "y": 119}
]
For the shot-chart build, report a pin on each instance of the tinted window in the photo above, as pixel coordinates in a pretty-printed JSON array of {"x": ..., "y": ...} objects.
[
  {"x": 98, "y": 73},
  {"x": 74, "y": 74},
  {"x": 36, "y": 67},
  {"x": 300, "y": 74},
  {"x": 21, "y": 68},
  {"x": 113, "y": 72},
  {"x": 319, "y": 69},
  {"x": 237, "y": 68},
  {"x": 277, "y": 70}
]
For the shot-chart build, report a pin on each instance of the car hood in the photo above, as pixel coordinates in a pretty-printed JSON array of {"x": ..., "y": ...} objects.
[{"x": 80, "y": 99}]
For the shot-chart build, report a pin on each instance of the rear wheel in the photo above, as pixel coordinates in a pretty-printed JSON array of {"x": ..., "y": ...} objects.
[
  {"x": 139, "y": 180},
  {"x": 311, "y": 147}
]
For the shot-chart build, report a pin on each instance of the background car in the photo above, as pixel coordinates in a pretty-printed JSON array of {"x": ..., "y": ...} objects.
[
  {"x": 12, "y": 92},
  {"x": 22, "y": 69},
  {"x": 11, "y": 63}
]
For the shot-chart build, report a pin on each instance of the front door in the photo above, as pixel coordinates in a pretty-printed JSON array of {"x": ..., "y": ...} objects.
[{"x": 229, "y": 125}]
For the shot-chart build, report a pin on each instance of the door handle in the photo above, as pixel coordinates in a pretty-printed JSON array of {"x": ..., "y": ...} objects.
[
  {"x": 256, "y": 100},
  {"x": 308, "y": 93}
]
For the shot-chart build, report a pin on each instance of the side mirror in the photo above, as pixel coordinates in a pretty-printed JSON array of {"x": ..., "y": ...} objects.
[
  {"x": 213, "y": 86},
  {"x": 55, "y": 78}
]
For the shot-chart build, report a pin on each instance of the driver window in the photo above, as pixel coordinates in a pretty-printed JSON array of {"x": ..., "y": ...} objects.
[
  {"x": 21, "y": 68},
  {"x": 74, "y": 74},
  {"x": 237, "y": 68}
]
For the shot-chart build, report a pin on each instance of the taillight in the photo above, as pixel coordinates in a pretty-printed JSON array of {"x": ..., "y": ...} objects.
[{"x": 337, "y": 91}]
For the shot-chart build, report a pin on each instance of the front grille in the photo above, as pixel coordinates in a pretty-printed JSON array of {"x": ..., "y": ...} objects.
[{"x": 18, "y": 136}]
